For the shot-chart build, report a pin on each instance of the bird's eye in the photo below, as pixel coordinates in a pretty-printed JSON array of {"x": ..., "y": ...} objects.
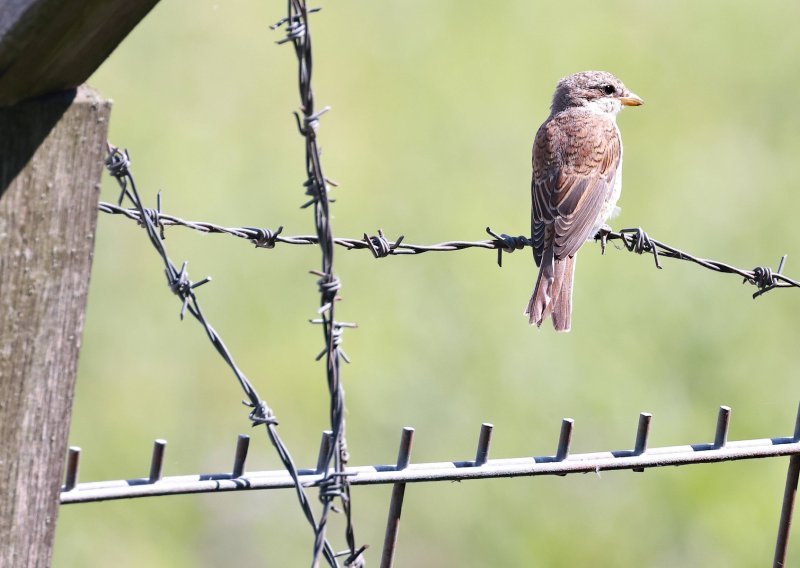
[{"x": 608, "y": 89}]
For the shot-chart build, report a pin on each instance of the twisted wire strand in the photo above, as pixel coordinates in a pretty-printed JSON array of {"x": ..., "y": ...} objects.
[
  {"x": 118, "y": 165},
  {"x": 633, "y": 240},
  {"x": 335, "y": 485}
]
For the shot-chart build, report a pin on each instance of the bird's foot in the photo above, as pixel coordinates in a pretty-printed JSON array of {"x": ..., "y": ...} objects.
[{"x": 602, "y": 236}]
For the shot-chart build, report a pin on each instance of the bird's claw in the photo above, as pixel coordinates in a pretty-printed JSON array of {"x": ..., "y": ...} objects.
[{"x": 602, "y": 236}]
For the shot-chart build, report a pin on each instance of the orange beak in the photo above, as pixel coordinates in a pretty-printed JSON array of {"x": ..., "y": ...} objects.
[{"x": 631, "y": 100}]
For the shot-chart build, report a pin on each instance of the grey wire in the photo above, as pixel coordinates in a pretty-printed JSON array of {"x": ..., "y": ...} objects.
[
  {"x": 118, "y": 165},
  {"x": 634, "y": 240},
  {"x": 334, "y": 485}
]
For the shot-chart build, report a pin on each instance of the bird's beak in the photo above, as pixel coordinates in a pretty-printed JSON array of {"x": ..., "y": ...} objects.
[{"x": 631, "y": 100}]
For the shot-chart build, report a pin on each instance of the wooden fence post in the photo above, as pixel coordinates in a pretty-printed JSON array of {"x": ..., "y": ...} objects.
[{"x": 51, "y": 156}]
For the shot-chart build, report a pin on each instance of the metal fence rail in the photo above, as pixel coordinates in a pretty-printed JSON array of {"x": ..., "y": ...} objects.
[
  {"x": 562, "y": 462},
  {"x": 438, "y": 471}
]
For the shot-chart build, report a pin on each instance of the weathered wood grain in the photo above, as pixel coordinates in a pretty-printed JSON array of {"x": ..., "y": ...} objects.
[{"x": 51, "y": 155}]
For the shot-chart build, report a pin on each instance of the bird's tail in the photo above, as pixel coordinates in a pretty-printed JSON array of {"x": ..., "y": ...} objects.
[{"x": 552, "y": 295}]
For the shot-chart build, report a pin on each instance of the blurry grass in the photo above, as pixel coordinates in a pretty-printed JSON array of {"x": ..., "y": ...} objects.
[{"x": 434, "y": 109}]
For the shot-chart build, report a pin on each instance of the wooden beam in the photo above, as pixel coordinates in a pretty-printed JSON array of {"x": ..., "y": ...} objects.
[
  {"x": 52, "y": 152},
  {"x": 53, "y": 45}
]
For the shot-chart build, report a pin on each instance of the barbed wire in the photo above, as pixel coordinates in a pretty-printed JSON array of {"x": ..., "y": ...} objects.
[
  {"x": 633, "y": 240},
  {"x": 335, "y": 483},
  {"x": 118, "y": 164},
  {"x": 636, "y": 240}
]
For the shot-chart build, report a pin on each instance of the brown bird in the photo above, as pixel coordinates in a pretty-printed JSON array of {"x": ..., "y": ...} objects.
[{"x": 577, "y": 179}]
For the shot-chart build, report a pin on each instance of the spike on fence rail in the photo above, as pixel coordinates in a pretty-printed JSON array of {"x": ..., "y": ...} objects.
[{"x": 403, "y": 472}]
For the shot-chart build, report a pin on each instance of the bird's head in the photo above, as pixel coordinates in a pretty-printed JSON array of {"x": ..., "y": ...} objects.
[{"x": 597, "y": 91}]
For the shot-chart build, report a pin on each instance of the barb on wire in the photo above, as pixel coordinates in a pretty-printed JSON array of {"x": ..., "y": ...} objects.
[
  {"x": 335, "y": 484},
  {"x": 634, "y": 240},
  {"x": 379, "y": 245},
  {"x": 118, "y": 165}
]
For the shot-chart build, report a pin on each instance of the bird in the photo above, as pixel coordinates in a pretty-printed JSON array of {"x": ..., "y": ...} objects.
[{"x": 577, "y": 180}]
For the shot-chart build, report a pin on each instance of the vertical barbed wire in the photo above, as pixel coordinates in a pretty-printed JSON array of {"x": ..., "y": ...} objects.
[
  {"x": 335, "y": 484},
  {"x": 118, "y": 165}
]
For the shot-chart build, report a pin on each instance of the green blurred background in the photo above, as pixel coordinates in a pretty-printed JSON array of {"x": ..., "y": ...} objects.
[{"x": 435, "y": 105}]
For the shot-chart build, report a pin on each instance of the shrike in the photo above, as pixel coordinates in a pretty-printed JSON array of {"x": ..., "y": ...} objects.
[{"x": 577, "y": 179}]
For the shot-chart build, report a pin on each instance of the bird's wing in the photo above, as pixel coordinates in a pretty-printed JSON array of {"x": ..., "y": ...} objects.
[{"x": 575, "y": 161}]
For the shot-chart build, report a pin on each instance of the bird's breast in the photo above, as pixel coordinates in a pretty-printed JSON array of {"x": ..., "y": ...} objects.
[{"x": 609, "y": 208}]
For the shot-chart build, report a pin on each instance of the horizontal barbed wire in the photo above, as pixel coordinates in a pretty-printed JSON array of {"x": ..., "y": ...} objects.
[{"x": 634, "y": 240}]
